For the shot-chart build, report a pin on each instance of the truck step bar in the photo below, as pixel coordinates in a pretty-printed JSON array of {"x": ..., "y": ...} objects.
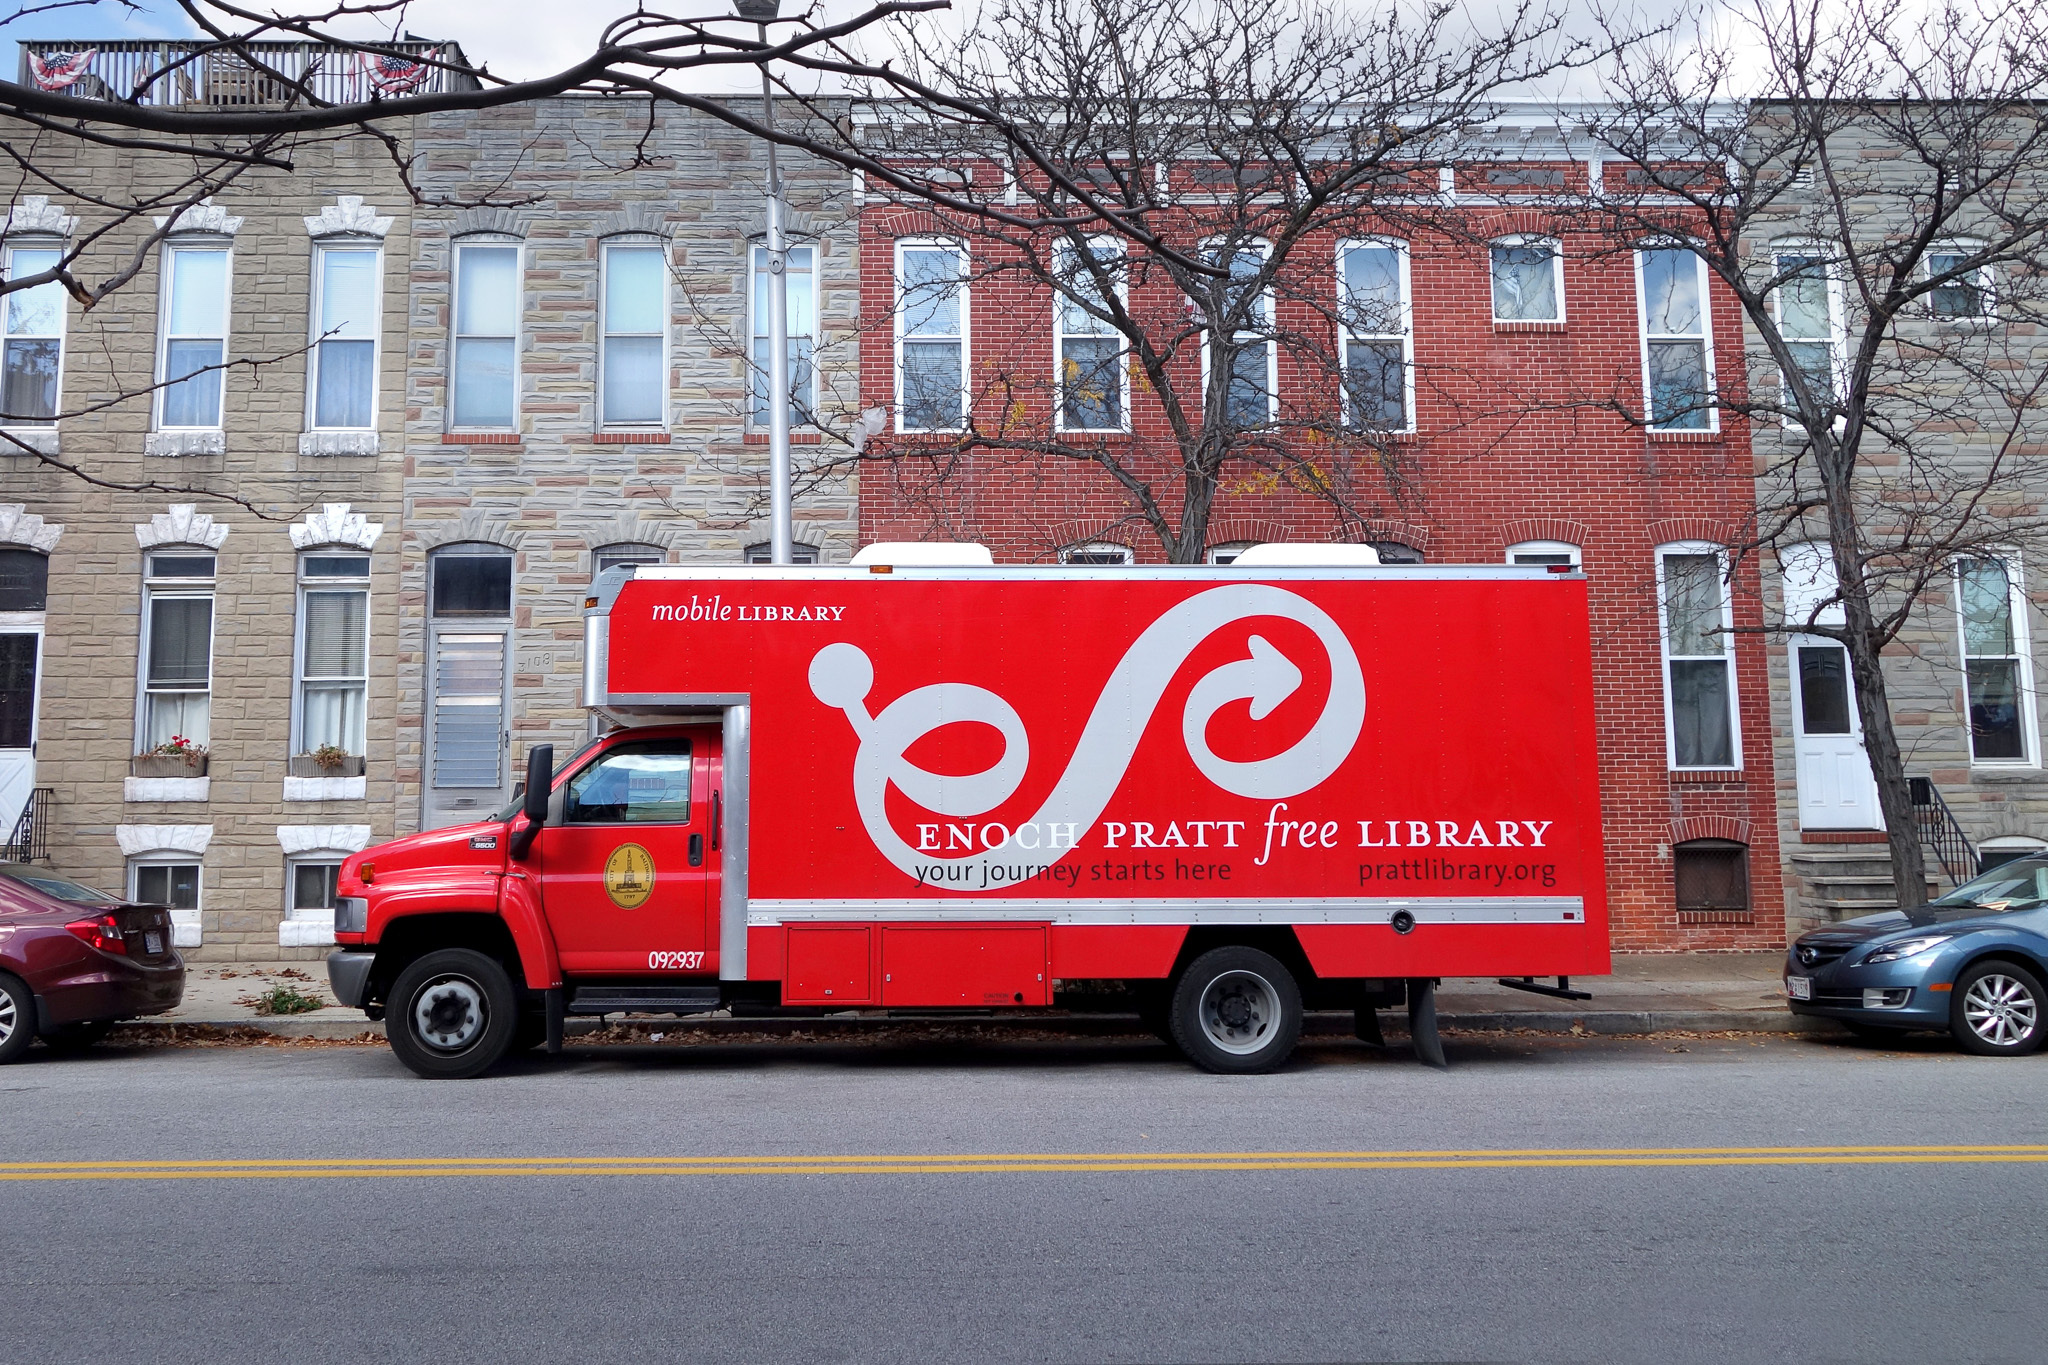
[{"x": 644, "y": 1000}]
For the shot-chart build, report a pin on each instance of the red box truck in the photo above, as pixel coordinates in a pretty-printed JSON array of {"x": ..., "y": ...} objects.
[{"x": 1219, "y": 795}]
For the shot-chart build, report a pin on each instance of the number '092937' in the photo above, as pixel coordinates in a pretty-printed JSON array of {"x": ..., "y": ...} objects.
[{"x": 674, "y": 962}]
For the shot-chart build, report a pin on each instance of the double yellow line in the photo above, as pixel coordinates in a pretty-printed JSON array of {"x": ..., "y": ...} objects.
[{"x": 401, "y": 1168}]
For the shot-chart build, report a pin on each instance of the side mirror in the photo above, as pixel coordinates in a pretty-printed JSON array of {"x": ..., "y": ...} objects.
[{"x": 540, "y": 774}]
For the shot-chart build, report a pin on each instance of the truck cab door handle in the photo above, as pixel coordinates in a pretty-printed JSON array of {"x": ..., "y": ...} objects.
[
  {"x": 717, "y": 816},
  {"x": 696, "y": 850}
]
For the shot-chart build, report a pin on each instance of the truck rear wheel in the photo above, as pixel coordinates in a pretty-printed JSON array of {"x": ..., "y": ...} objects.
[
  {"x": 1237, "y": 1011},
  {"x": 452, "y": 1014}
]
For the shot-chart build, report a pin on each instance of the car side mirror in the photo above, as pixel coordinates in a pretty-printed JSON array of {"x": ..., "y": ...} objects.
[{"x": 540, "y": 773}]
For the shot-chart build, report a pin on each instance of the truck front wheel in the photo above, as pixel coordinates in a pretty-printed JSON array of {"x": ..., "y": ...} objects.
[
  {"x": 1236, "y": 1010},
  {"x": 452, "y": 1014}
]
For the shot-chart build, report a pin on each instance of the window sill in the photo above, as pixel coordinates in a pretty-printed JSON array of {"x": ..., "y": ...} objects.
[
  {"x": 631, "y": 438},
  {"x": 2016, "y": 773},
  {"x": 1683, "y": 437},
  {"x": 164, "y": 788},
  {"x": 1709, "y": 776},
  {"x": 309, "y": 932},
  {"x": 1716, "y": 917},
  {"x": 179, "y": 444},
  {"x": 796, "y": 438},
  {"x": 185, "y": 929},
  {"x": 480, "y": 438},
  {"x": 1499, "y": 325},
  {"x": 326, "y": 788},
  {"x": 42, "y": 440},
  {"x": 338, "y": 443}
]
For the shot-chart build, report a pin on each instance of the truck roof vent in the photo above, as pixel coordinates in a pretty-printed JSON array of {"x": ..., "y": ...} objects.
[
  {"x": 1281, "y": 555},
  {"x": 943, "y": 553}
]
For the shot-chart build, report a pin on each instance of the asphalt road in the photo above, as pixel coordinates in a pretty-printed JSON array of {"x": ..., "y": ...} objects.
[{"x": 982, "y": 1248}]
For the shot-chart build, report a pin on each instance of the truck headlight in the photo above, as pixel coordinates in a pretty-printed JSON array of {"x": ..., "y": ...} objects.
[
  {"x": 351, "y": 915},
  {"x": 1904, "y": 948}
]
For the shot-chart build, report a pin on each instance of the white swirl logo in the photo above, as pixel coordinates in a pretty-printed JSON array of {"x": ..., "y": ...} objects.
[{"x": 841, "y": 676}]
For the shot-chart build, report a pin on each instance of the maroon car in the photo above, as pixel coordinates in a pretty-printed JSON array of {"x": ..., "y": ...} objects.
[{"x": 74, "y": 961}]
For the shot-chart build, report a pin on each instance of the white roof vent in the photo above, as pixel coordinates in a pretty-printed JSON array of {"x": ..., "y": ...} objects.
[
  {"x": 930, "y": 553},
  {"x": 1283, "y": 555}
]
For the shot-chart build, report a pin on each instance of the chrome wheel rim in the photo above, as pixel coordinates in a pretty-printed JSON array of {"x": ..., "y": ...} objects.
[
  {"x": 9, "y": 1018},
  {"x": 2001, "y": 1010},
  {"x": 1239, "y": 1012},
  {"x": 449, "y": 1013}
]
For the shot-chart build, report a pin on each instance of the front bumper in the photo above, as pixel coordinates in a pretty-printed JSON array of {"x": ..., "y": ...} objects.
[
  {"x": 1839, "y": 990},
  {"x": 348, "y": 975}
]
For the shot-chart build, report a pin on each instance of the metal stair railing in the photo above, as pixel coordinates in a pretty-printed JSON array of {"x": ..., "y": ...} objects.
[
  {"x": 1941, "y": 832},
  {"x": 30, "y": 839}
]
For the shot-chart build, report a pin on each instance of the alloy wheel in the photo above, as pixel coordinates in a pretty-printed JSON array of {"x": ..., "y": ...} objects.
[
  {"x": 10, "y": 1018},
  {"x": 2001, "y": 1010}
]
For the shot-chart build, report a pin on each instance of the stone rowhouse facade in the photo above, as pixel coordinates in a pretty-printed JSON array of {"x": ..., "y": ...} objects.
[
  {"x": 551, "y": 491},
  {"x": 1559, "y": 471}
]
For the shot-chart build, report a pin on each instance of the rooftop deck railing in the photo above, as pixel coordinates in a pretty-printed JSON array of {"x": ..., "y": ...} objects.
[{"x": 170, "y": 74}]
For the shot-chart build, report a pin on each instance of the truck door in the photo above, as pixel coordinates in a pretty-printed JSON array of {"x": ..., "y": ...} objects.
[{"x": 628, "y": 875}]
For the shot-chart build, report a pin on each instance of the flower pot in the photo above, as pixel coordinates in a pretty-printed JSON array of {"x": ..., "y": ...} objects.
[
  {"x": 304, "y": 765},
  {"x": 167, "y": 765}
]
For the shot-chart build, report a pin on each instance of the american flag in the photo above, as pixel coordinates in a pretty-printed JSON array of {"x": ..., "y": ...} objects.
[
  {"x": 393, "y": 75},
  {"x": 59, "y": 69}
]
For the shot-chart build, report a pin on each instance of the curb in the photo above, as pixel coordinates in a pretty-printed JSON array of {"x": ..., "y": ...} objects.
[{"x": 1580, "y": 1022}]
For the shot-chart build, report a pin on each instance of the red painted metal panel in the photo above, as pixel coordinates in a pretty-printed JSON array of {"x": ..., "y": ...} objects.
[
  {"x": 974, "y": 965},
  {"x": 1098, "y": 952},
  {"x": 829, "y": 964}
]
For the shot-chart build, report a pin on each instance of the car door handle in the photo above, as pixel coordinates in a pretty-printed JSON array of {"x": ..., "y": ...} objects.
[{"x": 696, "y": 850}]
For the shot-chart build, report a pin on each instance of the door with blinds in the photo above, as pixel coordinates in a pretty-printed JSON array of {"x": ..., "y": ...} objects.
[{"x": 468, "y": 740}]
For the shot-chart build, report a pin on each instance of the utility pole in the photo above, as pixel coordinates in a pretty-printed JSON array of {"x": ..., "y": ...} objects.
[{"x": 779, "y": 534}]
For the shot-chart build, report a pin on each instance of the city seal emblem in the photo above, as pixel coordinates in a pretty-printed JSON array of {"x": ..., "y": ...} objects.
[{"x": 629, "y": 876}]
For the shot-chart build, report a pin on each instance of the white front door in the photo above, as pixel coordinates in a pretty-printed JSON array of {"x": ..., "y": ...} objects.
[
  {"x": 21, "y": 650},
  {"x": 1836, "y": 790}
]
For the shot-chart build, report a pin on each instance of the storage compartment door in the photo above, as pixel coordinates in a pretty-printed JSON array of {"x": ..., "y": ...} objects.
[
  {"x": 829, "y": 964},
  {"x": 980, "y": 966}
]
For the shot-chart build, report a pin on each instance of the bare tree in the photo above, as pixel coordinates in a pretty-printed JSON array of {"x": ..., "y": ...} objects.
[{"x": 1869, "y": 182}]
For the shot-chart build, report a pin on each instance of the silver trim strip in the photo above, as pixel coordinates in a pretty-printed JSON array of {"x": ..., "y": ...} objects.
[
  {"x": 597, "y": 636},
  {"x": 1278, "y": 910},
  {"x": 732, "y": 868}
]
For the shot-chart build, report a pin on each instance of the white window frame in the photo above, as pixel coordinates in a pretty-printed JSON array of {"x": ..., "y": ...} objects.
[
  {"x": 1272, "y": 344},
  {"x": 1987, "y": 284},
  {"x": 1346, "y": 335},
  {"x": 1064, "y": 250},
  {"x": 605, "y": 422},
  {"x": 299, "y": 679},
  {"x": 295, "y": 913},
  {"x": 2023, "y": 654},
  {"x": 461, "y": 247},
  {"x": 757, "y": 270},
  {"x": 167, "y": 269},
  {"x": 1706, "y": 337},
  {"x": 170, "y": 858},
  {"x": 321, "y": 248},
  {"x": 1231, "y": 548},
  {"x": 1836, "y": 340},
  {"x": 625, "y": 552},
  {"x": 1529, "y": 239},
  {"x": 61, "y": 336},
  {"x": 1125, "y": 555},
  {"x": 1720, "y": 554},
  {"x": 763, "y": 552},
  {"x": 155, "y": 589},
  {"x": 1572, "y": 553},
  {"x": 440, "y": 798},
  {"x": 966, "y": 334}
]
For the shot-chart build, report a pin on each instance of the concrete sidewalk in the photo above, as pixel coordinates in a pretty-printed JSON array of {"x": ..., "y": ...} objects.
[{"x": 1647, "y": 993}]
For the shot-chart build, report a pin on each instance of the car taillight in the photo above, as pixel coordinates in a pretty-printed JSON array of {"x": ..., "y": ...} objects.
[{"x": 103, "y": 933}]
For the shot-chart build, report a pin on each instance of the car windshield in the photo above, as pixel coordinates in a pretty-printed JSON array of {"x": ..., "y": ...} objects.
[
  {"x": 2021, "y": 884},
  {"x": 62, "y": 888}
]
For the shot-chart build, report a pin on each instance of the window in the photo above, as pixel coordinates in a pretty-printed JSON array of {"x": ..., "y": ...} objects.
[
  {"x": 34, "y": 350},
  {"x": 1250, "y": 398},
  {"x": 1227, "y": 554},
  {"x": 2009, "y": 848},
  {"x": 470, "y": 592},
  {"x": 1396, "y": 552},
  {"x": 175, "y": 884},
  {"x": 1097, "y": 554},
  {"x": 1378, "y": 338},
  {"x": 334, "y": 650},
  {"x": 195, "y": 336},
  {"x": 764, "y": 553},
  {"x": 800, "y": 283},
  {"x": 1967, "y": 296},
  {"x": 312, "y": 890},
  {"x": 1544, "y": 552},
  {"x": 345, "y": 312},
  {"x": 1998, "y": 670},
  {"x": 634, "y": 389},
  {"x": 1528, "y": 280},
  {"x": 931, "y": 336},
  {"x": 612, "y": 556},
  {"x": 1090, "y": 351},
  {"x": 1678, "y": 369},
  {"x": 646, "y": 783},
  {"x": 24, "y": 579},
  {"x": 484, "y": 378},
  {"x": 1699, "y": 682},
  {"x": 1711, "y": 874},
  {"x": 1804, "y": 302},
  {"x": 177, "y": 647}
]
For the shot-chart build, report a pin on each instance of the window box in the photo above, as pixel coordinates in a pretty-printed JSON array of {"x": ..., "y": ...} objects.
[
  {"x": 305, "y": 765},
  {"x": 167, "y": 765}
]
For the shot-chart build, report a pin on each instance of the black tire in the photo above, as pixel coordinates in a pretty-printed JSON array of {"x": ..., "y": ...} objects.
[
  {"x": 1998, "y": 1009},
  {"x": 17, "y": 1018},
  {"x": 1236, "y": 1011},
  {"x": 452, "y": 1014},
  {"x": 71, "y": 1039}
]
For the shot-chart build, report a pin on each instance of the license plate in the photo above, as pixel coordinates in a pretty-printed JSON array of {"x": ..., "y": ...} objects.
[
  {"x": 152, "y": 943},
  {"x": 1799, "y": 987}
]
